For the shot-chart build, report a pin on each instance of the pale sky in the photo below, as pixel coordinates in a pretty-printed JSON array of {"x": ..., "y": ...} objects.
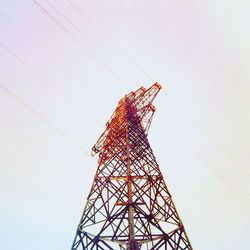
[{"x": 63, "y": 68}]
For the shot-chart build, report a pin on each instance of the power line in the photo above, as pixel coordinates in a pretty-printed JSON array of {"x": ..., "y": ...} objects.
[
  {"x": 44, "y": 79},
  {"x": 15, "y": 98},
  {"x": 149, "y": 77},
  {"x": 35, "y": 42},
  {"x": 68, "y": 98},
  {"x": 78, "y": 41},
  {"x": 83, "y": 15},
  {"x": 201, "y": 227},
  {"x": 199, "y": 146},
  {"x": 52, "y": 6},
  {"x": 211, "y": 165},
  {"x": 206, "y": 132},
  {"x": 44, "y": 119}
]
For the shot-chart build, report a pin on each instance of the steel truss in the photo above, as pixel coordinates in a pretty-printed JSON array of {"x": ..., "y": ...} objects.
[{"x": 129, "y": 205}]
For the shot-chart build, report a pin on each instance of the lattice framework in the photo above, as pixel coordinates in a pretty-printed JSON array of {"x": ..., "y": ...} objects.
[{"x": 129, "y": 205}]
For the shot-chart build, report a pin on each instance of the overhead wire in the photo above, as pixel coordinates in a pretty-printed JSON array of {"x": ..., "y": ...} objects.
[
  {"x": 46, "y": 12},
  {"x": 210, "y": 155},
  {"x": 208, "y": 134},
  {"x": 57, "y": 89},
  {"x": 151, "y": 78},
  {"x": 125, "y": 54},
  {"x": 212, "y": 163},
  {"x": 36, "y": 43},
  {"x": 52, "y": 6},
  {"x": 202, "y": 228},
  {"x": 213, "y": 159},
  {"x": 83, "y": 15},
  {"x": 44, "y": 79},
  {"x": 58, "y": 130},
  {"x": 69, "y": 99},
  {"x": 32, "y": 112},
  {"x": 107, "y": 37},
  {"x": 44, "y": 119},
  {"x": 34, "y": 70}
]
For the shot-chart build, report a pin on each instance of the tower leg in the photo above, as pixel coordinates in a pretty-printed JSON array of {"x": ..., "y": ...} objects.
[{"x": 132, "y": 245}]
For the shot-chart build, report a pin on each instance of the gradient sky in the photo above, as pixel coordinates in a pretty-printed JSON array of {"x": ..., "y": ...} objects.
[{"x": 64, "y": 67}]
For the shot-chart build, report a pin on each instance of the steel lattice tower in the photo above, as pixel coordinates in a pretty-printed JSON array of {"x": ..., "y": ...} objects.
[{"x": 129, "y": 205}]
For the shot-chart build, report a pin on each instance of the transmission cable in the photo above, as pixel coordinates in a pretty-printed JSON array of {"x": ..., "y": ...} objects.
[
  {"x": 44, "y": 119},
  {"x": 208, "y": 134},
  {"x": 149, "y": 77},
  {"x": 45, "y": 11},
  {"x": 44, "y": 79},
  {"x": 38, "y": 44}
]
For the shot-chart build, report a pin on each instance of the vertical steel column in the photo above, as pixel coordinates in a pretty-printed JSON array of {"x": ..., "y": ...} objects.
[{"x": 132, "y": 242}]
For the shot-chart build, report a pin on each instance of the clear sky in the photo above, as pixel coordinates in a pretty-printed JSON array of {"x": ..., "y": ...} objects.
[{"x": 63, "y": 68}]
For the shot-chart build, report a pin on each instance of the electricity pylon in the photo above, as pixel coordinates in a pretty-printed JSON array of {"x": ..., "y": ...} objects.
[{"x": 129, "y": 205}]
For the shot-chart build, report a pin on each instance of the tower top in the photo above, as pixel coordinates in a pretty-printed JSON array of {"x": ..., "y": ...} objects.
[{"x": 140, "y": 103}]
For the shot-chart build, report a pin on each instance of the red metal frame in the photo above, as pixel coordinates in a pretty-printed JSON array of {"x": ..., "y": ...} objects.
[{"x": 129, "y": 205}]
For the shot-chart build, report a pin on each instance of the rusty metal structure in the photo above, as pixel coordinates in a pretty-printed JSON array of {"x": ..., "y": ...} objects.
[{"x": 129, "y": 205}]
